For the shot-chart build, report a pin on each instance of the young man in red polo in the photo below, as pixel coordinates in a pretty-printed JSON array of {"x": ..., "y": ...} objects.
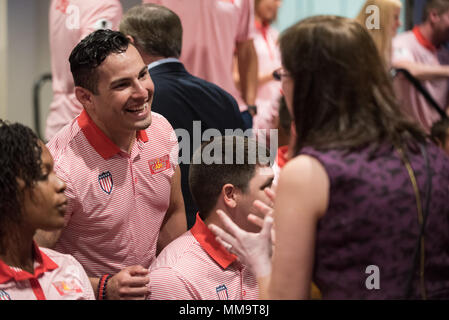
[
  {"x": 195, "y": 266},
  {"x": 120, "y": 164}
]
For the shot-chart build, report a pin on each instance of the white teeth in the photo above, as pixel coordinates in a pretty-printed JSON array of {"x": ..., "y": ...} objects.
[{"x": 141, "y": 108}]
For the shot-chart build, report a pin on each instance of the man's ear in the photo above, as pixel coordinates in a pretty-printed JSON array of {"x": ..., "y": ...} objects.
[
  {"x": 434, "y": 17},
  {"x": 229, "y": 195},
  {"x": 84, "y": 96},
  {"x": 131, "y": 39}
]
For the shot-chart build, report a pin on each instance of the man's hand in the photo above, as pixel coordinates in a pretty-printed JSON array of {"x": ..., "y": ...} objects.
[{"x": 129, "y": 284}]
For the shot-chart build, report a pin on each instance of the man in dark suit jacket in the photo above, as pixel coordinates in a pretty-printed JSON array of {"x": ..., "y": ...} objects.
[{"x": 179, "y": 96}]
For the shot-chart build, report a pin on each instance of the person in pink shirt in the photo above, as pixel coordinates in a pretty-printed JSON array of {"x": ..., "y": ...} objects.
[
  {"x": 120, "y": 163},
  {"x": 32, "y": 197},
  {"x": 69, "y": 22},
  {"x": 213, "y": 31},
  {"x": 195, "y": 266},
  {"x": 269, "y": 59},
  {"x": 422, "y": 52}
]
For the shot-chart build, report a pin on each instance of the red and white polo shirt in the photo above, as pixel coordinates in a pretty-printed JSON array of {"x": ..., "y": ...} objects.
[
  {"x": 56, "y": 276},
  {"x": 412, "y": 46},
  {"x": 196, "y": 267},
  {"x": 117, "y": 201},
  {"x": 211, "y": 30}
]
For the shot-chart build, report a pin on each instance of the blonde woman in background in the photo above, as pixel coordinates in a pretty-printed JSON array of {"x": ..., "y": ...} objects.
[{"x": 389, "y": 21}]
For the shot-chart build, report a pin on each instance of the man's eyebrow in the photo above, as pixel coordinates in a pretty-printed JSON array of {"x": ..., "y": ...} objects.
[
  {"x": 115, "y": 82},
  {"x": 268, "y": 182}
]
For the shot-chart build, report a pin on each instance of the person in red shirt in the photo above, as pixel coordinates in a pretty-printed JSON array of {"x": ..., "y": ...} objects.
[
  {"x": 32, "y": 197},
  {"x": 69, "y": 22},
  {"x": 215, "y": 30},
  {"x": 120, "y": 163},
  {"x": 195, "y": 266}
]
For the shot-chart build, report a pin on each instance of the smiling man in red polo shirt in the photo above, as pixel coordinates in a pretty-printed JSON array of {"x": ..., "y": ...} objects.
[
  {"x": 195, "y": 266},
  {"x": 119, "y": 162}
]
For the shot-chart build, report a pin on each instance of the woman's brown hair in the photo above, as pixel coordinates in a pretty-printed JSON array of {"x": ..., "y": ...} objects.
[{"x": 343, "y": 97}]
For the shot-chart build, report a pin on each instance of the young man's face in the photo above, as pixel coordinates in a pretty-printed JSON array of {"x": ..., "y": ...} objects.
[
  {"x": 125, "y": 94},
  {"x": 44, "y": 204},
  {"x": 267, "y": 10},
  {"x": 263, "y": 178},
  {"x": 441, "y": 27}
]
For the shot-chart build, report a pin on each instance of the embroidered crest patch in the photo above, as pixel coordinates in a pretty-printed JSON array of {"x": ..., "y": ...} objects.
[
  {"x": 106, "y": 183},
  {"x": 65, "y": 288},
  {"x": 159, "y": 164},
  {"x": 222, "y": 292},
  {"x": 4, "y": 295}
]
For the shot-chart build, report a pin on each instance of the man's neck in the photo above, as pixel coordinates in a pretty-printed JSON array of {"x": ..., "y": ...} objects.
[
  {"x": 213, "y": 218},
  {"x": 429, "y": 34},
  {"x": 147, "y": 59},
  {"x": 122, "y": 139}
]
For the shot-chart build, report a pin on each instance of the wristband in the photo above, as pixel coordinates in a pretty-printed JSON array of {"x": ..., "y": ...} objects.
[{"x": 102, "y": 285}]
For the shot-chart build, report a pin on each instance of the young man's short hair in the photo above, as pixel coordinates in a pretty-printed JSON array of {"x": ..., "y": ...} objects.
[
  {"x": 440, "y": 6},
  {"x": 91, "y": 52},
  {"x": 156, "y": 29},
  {"x": 235, "y": 159}
]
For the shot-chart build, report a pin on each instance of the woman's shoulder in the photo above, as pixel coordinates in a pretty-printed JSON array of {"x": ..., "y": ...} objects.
[{"x": 304, "y": 177}]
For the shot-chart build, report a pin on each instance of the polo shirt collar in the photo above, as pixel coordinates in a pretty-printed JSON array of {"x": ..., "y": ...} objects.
[
  {"x": 44, "y": 264},
  {"x": 98, "y": 140},
  {"x": 262, "y": 27},
  {"x": 423, "y": 41},
  {"x": 281, "y": 157},
  {"x": 208, "y": 242}
]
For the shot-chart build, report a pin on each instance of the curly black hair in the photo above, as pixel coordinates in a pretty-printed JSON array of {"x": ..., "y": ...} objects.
[
  {"x": 91, "y": 52},
  {"x": 20, "y": 157}
]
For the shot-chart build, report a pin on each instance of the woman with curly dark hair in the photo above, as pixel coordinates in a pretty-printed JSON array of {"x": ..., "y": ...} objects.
[
  {"x": 362, "y": 207},
  {"x": 31, "y": 198}
]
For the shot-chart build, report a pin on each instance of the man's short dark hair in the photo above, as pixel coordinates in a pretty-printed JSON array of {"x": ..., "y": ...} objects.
[
  {"x": 20, "y": 158},
  {"x": 156, "y": 29},
  {"x": 237, "y": 168},
  {"x": 91, "y": 52},
  {"x": 440, "y": 6},
  {"x": 439, "y": 131}
]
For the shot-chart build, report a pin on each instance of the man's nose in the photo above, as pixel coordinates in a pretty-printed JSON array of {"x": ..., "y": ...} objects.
[{"x": 140, "y": 91}]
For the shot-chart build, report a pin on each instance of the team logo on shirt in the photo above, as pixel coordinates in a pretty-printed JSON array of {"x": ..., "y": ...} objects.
[
  {"x": 159, "y": 164},
  {"x": 4, "y": 295},
  {"x": 62, "y": 5},
  {"x": 106, "y": 183},
  {"x": 222, "y": 292},
  {"x": 65, "y": 287}
]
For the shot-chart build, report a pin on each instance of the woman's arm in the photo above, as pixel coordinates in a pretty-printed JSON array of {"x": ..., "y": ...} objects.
[{"x": 302, "y": 199}]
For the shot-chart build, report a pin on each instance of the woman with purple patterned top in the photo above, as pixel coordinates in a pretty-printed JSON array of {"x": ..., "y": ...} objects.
[{"x": 362, "y": 210}]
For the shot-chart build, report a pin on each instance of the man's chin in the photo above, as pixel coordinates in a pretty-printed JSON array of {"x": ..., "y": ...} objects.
[{"x": 145, "y": 124}]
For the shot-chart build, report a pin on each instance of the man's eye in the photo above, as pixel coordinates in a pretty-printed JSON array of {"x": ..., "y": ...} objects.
[{"x": 120, "y": 86}]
